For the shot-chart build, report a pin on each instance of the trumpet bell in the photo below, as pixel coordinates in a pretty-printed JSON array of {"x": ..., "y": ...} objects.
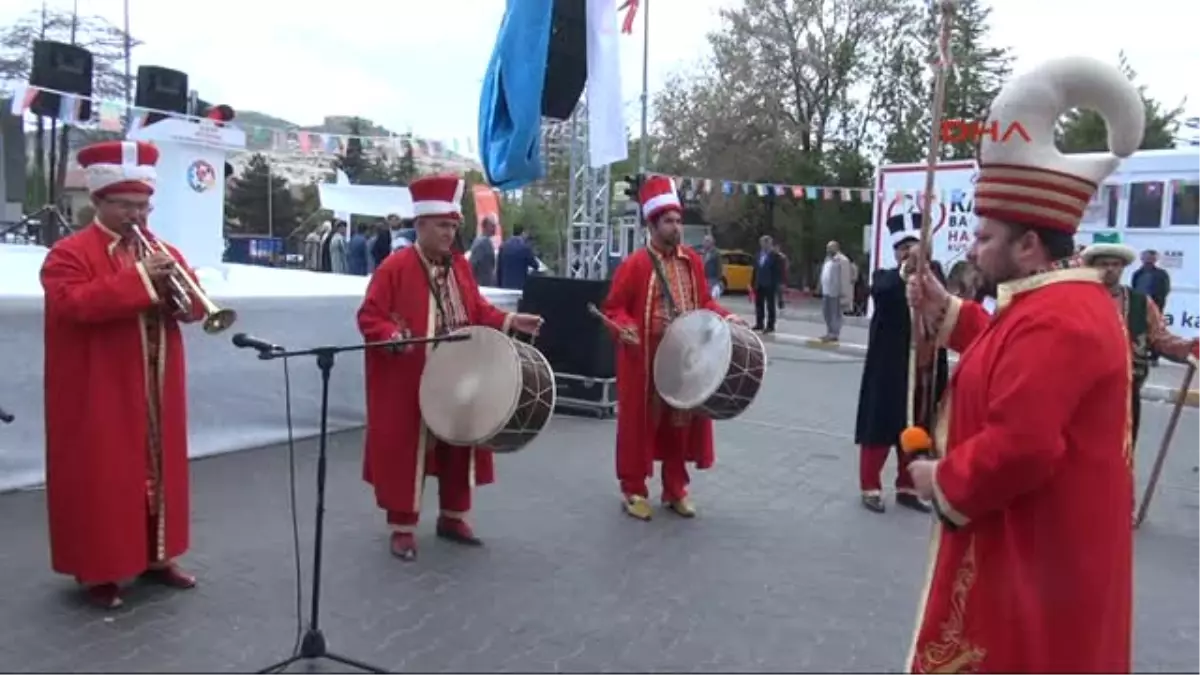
[{"x": 219, "y": 320}]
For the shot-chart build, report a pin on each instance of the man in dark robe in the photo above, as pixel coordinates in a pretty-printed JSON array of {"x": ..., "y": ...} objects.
[{"x": 884, "y": 397}]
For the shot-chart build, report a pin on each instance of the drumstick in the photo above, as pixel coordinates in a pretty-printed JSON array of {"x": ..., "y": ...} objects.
[{"x": 595, "y": 311}]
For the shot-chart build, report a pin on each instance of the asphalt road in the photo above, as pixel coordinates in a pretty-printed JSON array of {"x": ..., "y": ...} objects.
[{"x": 782, "y": 572}]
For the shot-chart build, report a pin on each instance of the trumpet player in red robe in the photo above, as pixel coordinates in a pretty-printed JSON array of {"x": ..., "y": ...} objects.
[
  {"x": 424, "y": 290},
  {"x": 649, "y": 288},
  {"x": 1031, "y": 566},
  {"x": 116, "y": 407}
]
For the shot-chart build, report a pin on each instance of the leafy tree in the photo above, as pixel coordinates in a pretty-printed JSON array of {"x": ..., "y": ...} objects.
[
  {"x": 404, "y": 170},
  {"x": 106, "y": 42},
  {"x": 260, "y": 201},
  {"x": 789, "y": 95},
  {"x": 353, "y": 161},
  {"x": 979, "y": 71},
  {"x": 541, "y": 214},
  {"x": 1085, "y": 130},
  {"x": 308, "y": 208}
]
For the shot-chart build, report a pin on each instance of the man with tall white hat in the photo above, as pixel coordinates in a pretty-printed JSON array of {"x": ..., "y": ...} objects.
[
  {"x": 424, "y": 290},
  {"x": 116, "y": 405},
  {"x": 1148, "y": 334},
  {"x": 649, "y": 289},
  {"x": 1032, "y": 560}
]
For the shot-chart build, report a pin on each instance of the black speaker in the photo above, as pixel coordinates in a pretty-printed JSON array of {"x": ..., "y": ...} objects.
[
  {"x": 573, "y": 341},
  {"x": 61, "y": 67},
  {"x": 162, "y": 89},
  {"x": 566, "y": 61}
]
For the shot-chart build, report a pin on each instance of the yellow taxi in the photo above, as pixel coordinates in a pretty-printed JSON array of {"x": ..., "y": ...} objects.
[{"x": 738, "y": 267}]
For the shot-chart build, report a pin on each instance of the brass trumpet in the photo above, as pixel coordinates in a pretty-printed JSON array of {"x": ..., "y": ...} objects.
[{"x": 183, "y": 288}]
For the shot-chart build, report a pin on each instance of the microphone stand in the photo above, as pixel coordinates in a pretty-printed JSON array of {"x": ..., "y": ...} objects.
[{"x": 313, "y": 645}]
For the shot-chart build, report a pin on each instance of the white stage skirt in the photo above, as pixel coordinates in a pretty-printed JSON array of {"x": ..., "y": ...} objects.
[{"x": 235, "y": 400}]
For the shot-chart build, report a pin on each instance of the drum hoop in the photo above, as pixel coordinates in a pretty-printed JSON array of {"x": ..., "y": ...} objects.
[
  {"x": 674, "y": 402},
  {"x": 762, "y": 349},
  {"x": 516, "y": 393},
  {"x": 553, "y": 383}
]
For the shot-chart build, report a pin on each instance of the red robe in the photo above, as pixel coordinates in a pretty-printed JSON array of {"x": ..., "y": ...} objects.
[
  {"x": 397, "y": 458},
  {"x": 635, "y": 299},
  {"x": 1036, "y": 573},
  {"x": 117, "y": 491}
]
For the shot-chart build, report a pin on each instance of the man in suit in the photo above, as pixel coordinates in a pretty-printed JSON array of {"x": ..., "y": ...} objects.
[
  {"x": 1154, "y": 282},
  {"x": 765, "y": 280},
  {"x": 483, "y": 254},
  {"x": 515, "y": 261}
]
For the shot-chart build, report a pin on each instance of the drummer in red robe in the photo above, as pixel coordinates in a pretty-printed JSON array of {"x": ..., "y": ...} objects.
[
  {"x": 116, "y": 408},
  {"x": 423, "y": 290},
  {"x": 641, "y": 305},
  {"x": 1031, "y": 566}
]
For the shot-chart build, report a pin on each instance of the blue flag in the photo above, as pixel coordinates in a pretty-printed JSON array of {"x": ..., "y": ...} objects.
[{"x": 510, "y": 105}]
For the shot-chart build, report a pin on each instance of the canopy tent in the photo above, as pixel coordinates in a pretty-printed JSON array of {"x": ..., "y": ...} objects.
[{"x": 366, "y": 200}]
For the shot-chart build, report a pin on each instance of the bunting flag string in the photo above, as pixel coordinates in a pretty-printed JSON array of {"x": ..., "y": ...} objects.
[
  {"x": 109, "y": 115},
  {"x": 730, "y": 188},
  {"x": 860, "y": 195}
]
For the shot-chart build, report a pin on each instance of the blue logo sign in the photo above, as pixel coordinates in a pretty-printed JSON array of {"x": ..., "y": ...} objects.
[{"x": 201, "y": 175}]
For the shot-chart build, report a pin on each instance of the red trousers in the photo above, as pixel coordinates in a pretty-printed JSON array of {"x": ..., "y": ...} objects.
[
  {"x": 454, "y": 491},
  {"x": 670, "y": 442},
  {"x": 871, "y": 459}
]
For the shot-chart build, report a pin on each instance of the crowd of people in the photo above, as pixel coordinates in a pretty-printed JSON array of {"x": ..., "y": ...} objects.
[{"x": 337, "y": 248}]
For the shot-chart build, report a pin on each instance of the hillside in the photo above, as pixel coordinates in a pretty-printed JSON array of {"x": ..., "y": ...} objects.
[{"x": 333, "y": 124}]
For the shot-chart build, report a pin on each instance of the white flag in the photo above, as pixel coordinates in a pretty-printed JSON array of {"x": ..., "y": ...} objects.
[{"x": 607, "y": 142}]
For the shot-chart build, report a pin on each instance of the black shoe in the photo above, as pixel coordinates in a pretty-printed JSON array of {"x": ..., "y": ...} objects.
[
  {"x": 913, "y": 502},
  {"x": 873, "y": 503}
]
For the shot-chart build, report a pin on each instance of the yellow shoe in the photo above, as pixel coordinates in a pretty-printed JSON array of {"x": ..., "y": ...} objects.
[
  {"x": 636, "y": 506},
  {"x": 683, "y": 507}
]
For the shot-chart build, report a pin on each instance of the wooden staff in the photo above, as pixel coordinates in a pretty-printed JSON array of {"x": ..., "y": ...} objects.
[
  {"x": 923, "y": 347},
  {"x": 1180, "y": 398}
]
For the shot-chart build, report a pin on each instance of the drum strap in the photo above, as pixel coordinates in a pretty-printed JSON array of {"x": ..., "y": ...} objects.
[{"x": 665, "y": 283}]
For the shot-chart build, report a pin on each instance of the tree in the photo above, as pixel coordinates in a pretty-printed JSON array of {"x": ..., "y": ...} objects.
[
  {"x": 353, "y": 161},
  {"x": 249, "y": 209},
  {"x": 1085, "y": 130},
  {"x": 106, "y": 42},
  {"x": 789, "y": 95},
  {"x": 404, "y": 170},
  {"x": 979, "y": 70}
]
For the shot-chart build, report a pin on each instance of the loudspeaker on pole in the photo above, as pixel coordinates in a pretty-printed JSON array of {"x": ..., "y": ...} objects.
[
  {"x": 62, "y": 68},
  {"x": 162, "y": 89}
]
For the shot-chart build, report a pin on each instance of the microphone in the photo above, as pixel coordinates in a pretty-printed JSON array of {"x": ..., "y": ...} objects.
[
  {"x": 916, "y": 442},
  {"x": 243, "y": 341},
  {"x": 6, "y": 416}
]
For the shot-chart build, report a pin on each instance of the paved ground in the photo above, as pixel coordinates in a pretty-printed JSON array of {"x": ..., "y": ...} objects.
[{"x": 783, "y": 571}]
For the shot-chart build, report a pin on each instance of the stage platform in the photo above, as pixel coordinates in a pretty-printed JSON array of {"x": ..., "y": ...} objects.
[{"x": 235, "y": 401}]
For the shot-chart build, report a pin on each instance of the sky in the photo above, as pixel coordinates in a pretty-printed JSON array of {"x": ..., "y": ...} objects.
[{"x": 418, "y": 65}]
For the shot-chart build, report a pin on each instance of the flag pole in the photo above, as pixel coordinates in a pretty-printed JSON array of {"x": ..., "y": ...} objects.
[
  {"x": 128, "y": 73},
  {"x": 643, "y": 149}
]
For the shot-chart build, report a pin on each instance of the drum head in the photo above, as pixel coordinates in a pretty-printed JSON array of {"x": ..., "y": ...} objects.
[
  {"x": 470, "y": 389},
  {"x": 692, "y": 359}
]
